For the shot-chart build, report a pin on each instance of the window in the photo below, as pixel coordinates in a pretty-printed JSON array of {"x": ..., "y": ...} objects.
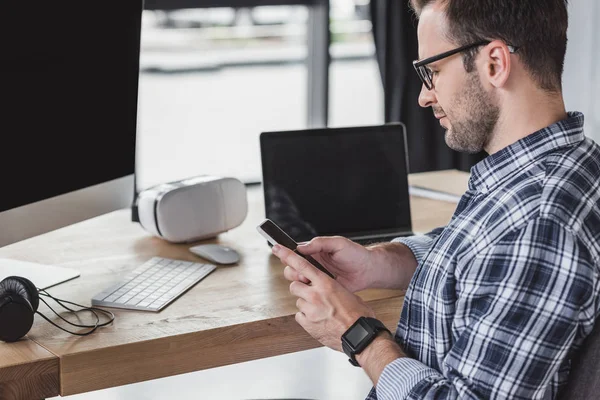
[{"x": 211, "y": 80}]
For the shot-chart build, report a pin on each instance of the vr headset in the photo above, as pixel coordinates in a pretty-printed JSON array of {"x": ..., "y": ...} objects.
[{"x": 191, "y": 209}]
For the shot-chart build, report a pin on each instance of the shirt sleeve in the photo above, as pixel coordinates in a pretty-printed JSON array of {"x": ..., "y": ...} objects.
[
  {"x": 522, "y": 301},
  {"x": 420, "y": 244}
]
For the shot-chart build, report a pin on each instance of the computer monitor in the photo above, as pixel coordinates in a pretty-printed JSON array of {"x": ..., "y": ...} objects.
[{"x": 69, "y": 87}]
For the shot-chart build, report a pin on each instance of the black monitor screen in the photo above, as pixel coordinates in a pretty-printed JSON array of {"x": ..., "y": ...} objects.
[
  {"x": 69, "y": 89},
  {"x": 336, "y": 181}
]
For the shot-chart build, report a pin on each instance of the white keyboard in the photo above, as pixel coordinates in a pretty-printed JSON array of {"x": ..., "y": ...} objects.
[{"x": 153, "y": 285}]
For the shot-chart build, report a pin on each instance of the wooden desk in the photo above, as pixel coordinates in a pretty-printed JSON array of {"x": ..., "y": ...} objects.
[
  {"x": 237, "y": 313},
  {"x": 27, "y": 371}
]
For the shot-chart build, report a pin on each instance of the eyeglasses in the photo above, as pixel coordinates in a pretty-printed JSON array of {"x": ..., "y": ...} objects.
[{"x": 425, "y": 73}]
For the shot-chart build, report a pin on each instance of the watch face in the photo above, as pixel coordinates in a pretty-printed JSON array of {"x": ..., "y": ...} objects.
[{"x": 357, "y": 335}]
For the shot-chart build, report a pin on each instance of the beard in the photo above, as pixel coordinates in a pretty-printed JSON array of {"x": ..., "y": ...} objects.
[{"x": 472, "y": 133}]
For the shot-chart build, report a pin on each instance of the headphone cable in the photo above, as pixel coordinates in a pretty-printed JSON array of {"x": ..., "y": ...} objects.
[
  {"x": 110, "y": 315},
  {"x": 63, "y": 329},
  {"x": 83, "y": 308},
  {"x": 69, "y": 322}
]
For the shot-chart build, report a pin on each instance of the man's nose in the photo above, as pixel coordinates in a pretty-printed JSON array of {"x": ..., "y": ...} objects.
[{"x": 426, "y": 97}]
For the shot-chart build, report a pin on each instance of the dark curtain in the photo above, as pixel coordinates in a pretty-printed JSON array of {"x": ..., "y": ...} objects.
[{"x": 395, "y": 36}]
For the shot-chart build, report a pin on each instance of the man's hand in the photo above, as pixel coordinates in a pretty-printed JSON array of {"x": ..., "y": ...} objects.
[
  {"x": 349, "y": 261},
  {"x": 326, "y": 308}
]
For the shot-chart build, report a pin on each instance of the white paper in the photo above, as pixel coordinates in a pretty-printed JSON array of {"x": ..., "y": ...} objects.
[{"x": 43, "y": 276}]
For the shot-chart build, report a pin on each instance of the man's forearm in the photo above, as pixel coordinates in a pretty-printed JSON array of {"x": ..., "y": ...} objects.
[
  {"x": 400, "y": 265},
  {"x": 382, "y": 351}
]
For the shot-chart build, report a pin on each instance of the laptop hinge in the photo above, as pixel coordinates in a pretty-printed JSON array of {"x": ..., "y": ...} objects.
[{"x": 380, "y": 235}]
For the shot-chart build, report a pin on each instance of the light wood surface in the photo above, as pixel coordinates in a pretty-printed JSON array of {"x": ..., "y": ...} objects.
[
  {"x": 450, "y": 181},
  {"x": 237, "y": 313},
  {"x": 27, "y": 371}
]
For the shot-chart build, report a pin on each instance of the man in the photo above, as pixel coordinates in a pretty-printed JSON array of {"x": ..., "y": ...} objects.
[{"x": 497, "y": 301}]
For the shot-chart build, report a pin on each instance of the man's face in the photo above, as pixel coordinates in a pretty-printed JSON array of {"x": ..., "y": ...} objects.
[{"x": 465, "y": 109}]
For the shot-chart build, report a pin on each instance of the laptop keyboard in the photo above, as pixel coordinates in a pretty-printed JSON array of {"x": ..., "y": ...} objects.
[{"x": 379, "y": 239}]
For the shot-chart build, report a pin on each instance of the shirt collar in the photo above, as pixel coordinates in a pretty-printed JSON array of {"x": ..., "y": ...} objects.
[{"x": 495, "y": 168}]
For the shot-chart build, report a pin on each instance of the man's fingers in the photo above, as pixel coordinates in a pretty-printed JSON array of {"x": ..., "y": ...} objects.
[
  {"x": 302, "y": 304},
  {"x": 300, "y": 289},
  {"x": 301, "y": 319},
  {"x": 295, "y": 261},
  {"x": 291, "y": 275},
  {"x": 322, "y": 244},
  {"x": 309, "y": 310}
]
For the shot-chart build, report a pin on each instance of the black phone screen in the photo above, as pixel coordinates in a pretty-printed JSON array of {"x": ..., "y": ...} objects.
[{"x": 278, "y": 235}]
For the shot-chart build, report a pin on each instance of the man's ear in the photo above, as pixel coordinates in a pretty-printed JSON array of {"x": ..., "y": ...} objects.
[{"x": 496, "y": 57}]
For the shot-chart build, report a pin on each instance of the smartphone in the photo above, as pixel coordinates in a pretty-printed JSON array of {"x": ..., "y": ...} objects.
[{"x": 275, "y": 235}]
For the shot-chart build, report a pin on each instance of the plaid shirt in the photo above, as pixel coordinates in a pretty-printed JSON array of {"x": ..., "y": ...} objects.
[{"x": 506, "y": 292}]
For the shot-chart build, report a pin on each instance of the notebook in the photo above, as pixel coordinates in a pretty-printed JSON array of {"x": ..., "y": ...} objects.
[
  {"x": 43, "y": 276},
  {"x": 347, "y": 181}
]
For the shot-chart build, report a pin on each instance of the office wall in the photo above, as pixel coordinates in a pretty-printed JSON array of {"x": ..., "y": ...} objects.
[{"x": 582, "y": 65}]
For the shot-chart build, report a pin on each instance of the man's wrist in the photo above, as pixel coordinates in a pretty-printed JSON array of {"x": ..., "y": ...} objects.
[
  {"x": 382, "y": 341},
  {"x": 394, "y": 265},
  {"x": 378, "y": 354}
]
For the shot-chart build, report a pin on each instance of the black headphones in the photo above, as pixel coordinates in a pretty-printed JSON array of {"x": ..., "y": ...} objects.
[{"x": 19, "y": 301}]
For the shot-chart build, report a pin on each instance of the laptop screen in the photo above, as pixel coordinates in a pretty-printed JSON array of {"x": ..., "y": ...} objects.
[{"x": 337, "y": 181}]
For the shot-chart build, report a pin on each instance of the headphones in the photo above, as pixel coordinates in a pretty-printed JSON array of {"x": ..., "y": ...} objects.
[{"x": 19, "y": 301}]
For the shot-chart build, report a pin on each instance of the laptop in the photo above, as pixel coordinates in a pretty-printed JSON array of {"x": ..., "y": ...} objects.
[{"x": 347, "y": 181}]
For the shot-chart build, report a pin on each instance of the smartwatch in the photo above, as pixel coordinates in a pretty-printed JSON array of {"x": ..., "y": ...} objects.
[{"x": 360, "y": 335}]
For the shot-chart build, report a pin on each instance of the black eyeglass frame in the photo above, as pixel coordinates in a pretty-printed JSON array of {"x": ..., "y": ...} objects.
[{"x": 425, "y": 74}]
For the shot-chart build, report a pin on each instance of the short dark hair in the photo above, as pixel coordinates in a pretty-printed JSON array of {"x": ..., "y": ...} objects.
[{"x": 537, "y": 27}]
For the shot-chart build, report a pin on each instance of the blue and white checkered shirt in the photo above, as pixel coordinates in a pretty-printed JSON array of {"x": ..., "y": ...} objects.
[{"x": 506, "y": 292}]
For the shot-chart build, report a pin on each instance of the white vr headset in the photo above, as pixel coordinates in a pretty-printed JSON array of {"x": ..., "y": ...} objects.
[{"x": 191, "y": 209}]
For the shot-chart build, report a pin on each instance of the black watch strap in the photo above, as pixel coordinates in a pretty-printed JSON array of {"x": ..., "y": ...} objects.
[
  {"x": 360, "y": 335},
  {"x": 350, "y": 353}
]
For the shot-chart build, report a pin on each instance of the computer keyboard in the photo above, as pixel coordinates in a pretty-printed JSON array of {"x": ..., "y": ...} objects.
[{"x": 153, "y": 285}]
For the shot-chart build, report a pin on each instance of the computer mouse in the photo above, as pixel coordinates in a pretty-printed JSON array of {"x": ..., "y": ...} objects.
[{"x": 216, "y": 253}]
